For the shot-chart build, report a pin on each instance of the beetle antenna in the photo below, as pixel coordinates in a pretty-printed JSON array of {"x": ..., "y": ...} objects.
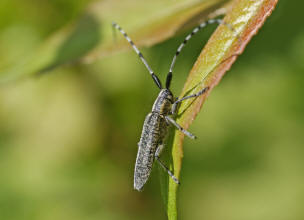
[
  {"x": 188, "y": 37},
  {"x": 154, "y": 77}
]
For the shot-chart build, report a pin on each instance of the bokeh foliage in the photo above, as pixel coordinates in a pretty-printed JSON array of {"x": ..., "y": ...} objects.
[{"x": 68, "y": 138}]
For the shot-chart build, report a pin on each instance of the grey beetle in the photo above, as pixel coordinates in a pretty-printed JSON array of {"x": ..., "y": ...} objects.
[{"x": 157, "y": 122}]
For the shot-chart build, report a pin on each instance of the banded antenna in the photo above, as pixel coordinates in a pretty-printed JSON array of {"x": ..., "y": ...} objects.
[
  {"x": 154, "y": 77},
  {"x": 188, "y": 37}
]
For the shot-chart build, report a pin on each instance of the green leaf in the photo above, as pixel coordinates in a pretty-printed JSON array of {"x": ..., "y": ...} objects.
[
  {"x": 246, "y": 17},
  {"x": 91, "y": 38}
]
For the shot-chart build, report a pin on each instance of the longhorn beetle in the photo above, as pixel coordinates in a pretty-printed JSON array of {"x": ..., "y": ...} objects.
[{"x": 157, "y": 122}]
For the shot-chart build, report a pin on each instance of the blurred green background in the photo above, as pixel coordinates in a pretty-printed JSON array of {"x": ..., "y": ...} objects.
[{"x": 68, "y": 139}]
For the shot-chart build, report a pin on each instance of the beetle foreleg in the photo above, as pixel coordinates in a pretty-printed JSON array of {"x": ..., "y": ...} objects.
[
  {"x": 192, "y": 96},
  {"x": 175, "y": 104}
]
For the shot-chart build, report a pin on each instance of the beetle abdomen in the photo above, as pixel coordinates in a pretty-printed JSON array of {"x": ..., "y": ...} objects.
[{"x": 153, "y": 133}]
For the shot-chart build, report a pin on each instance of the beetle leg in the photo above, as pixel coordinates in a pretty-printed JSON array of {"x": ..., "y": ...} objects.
[
  {"x": 156, "y": 155},
  {"x": 192, "y": 96},
  {"x": 180, "y": 128},
  {"x": 175, "y": 104},
  {"x": 159, "y": 150}
]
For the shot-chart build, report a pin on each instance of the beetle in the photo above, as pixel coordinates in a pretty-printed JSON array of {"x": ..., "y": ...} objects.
[{"x": 156, "y": 123}]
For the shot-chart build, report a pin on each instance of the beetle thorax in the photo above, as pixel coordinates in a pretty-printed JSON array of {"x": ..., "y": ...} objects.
[{"x": 163, "y": 103}]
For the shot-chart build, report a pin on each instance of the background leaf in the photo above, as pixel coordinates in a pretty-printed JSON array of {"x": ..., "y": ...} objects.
[{"x": 91, "y": 36}]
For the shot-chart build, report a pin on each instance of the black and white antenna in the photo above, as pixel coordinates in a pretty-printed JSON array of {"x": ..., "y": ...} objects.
[
  {"x": 188, "y": 37},
  {"x": 155, "y": 78}
]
